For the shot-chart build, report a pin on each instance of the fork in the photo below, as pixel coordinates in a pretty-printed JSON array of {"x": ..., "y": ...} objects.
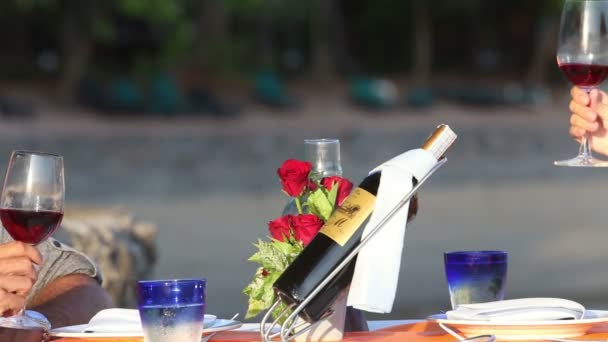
[{"x": 208, "y": 337}]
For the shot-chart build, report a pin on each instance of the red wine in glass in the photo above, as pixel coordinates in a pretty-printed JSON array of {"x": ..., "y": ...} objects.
[
  {"x": 585, "y": 75},
  {"x": 31, "y": 207},
  {"x": 30, "y": 226}
]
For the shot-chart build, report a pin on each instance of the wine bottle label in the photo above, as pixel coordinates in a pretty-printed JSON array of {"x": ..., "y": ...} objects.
[{"x": 345, "y": 221}]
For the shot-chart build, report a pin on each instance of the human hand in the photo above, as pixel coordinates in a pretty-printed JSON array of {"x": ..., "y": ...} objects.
[
  {"x": 589, "y": 111},
  {"x": 17, "y": 275}
]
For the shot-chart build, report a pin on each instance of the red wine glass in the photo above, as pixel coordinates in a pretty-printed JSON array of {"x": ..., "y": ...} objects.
[
  {"x": 582, "y": 55},
  {"x": 31, "y": 206}
]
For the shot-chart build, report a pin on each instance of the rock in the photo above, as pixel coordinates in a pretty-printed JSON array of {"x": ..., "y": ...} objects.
[{"x": 123, "y": 248}]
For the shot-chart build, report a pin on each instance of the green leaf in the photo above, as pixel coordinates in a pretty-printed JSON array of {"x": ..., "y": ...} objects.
[
  {"x": 276, "y": 255},
  {"x": 319, "y": 204},
  {"x": 281, "y": 308},
  {"x": 287, "y": 248},
  {"x": 104, "y": 29},
  {"x": 254, "y": 308},
  {"x": 333, "y": 195},
  {"x": 260, "y": 292}
]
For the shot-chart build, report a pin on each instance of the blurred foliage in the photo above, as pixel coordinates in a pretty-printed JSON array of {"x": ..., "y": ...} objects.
[
  {"x": 97, "y": 21},
  {"x": 278, "y": 11},
  {"x": 552, "y": 7},
  {"x": 374, "y": 23},
  {"x": 377, "y": 35}
]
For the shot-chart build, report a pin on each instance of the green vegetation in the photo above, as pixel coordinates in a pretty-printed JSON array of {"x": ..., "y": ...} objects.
[{"x": 324, "y": 38}]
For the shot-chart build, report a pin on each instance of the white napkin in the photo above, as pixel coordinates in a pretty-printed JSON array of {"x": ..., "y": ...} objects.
[
  {"x": 115, "y": 320},
  {"x": 124, "y": 321},
  {"x": 376, "y": 274},
  {"x": 523, "y": 309}
]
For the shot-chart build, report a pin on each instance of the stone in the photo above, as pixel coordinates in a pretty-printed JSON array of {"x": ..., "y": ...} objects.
[{"x": 123, "y": 248}]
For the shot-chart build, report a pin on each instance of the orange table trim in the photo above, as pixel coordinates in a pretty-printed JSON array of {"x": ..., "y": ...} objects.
[
  {"x": 423, "y": 331},
  {"x": 414, "y": 332}
]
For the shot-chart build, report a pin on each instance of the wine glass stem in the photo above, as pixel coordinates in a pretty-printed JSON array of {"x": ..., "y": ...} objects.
[{"x": 584, "y": 150}]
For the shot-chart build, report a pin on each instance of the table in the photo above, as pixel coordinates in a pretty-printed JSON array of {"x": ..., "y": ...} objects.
[
  {"x": 387, "y": 331},
  {"x": 381, "y": 331}
]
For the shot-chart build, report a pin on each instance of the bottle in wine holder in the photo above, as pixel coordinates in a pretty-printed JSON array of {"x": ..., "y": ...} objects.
[{"x": 324, "y": 269}]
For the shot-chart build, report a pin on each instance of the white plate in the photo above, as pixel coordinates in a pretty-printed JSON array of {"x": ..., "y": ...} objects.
[
  {"x": 76, "y": 331},
  {"x": 209, "y": 321},
  {"x": 525, "y": 330}
]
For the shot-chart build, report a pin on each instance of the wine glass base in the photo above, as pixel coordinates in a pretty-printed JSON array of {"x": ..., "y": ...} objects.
[
  {"x": 582, "y": 161},
  {"x": 25, "y": 322}
]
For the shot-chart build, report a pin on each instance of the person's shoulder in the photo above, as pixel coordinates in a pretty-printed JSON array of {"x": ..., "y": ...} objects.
[
  {"x": 72, "y": 260},
  {"x": 52, "y": 247},
  {"x": 59, "y": 246}
]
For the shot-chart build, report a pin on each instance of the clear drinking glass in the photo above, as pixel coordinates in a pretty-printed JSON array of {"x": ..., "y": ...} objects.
[
  {"x": 31, "y": 207},
  {"x": 172, "y": 310},
  {"x": 475, "y": 276},
  {"x": 582, "y": 55},
  {"x": 324, "y": 154}
]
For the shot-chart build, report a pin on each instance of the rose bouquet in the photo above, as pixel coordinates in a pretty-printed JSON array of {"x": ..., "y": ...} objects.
[{"x": 316, "y": 199}]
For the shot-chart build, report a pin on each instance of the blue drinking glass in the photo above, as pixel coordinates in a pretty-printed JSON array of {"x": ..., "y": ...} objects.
[
  {"x": 172, "y": 310},
  {"x": 475, "y": 276}
]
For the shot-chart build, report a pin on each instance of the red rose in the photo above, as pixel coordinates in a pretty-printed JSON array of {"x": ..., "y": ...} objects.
[
  {"x": 312, "y": 185},
  {"x": 280, "y": 228},
  {"x": 344, "y": 187},
  {"x": 306, "y": 226},
  {"x": 294, "y": 176}
]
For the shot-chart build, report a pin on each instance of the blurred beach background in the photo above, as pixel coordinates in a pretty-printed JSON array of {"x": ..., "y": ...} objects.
[{"x": 181, "y": 111}]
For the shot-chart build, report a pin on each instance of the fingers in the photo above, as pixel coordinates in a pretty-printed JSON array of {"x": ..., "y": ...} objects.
[
  {"x": 17, "y": 275},
  {"x": 598, "y": 98},
  {"x": 582, "y": 111},
  {"x": 577, "y": 121},
  {"x": 577, "y": 133},
  {"x": 20, "y": 266},
  {"x": 587, "y": 112},
  {"x": 20, "y": 249},
  {"x": 580, "y": 96},
  {"x": 10, "y": 303},
  {"x": 16, "y": 285}
]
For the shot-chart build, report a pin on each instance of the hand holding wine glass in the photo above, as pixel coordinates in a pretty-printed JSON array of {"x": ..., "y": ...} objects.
[
  {"x": 583, "y": 57},
  {"x": 17, "y": 275},
  {"x": 589, "y": 113},
  {"x": 31, "y": 209}
]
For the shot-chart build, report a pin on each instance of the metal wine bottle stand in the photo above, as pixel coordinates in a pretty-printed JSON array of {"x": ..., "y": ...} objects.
[{"x": 291, "y": 323}]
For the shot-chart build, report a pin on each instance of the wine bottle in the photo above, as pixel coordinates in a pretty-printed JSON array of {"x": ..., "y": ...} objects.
[
  {"x": 324, "y": 155},
  {"x": 338, "y": 237}
]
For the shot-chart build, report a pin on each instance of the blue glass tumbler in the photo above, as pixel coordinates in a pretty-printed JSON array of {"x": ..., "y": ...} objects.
[
  {"x": 475, "y": 276},
  {"x": 172, "y": 310}
]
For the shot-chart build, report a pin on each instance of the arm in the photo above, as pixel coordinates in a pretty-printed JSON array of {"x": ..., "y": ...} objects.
[{"x": 71, "y": 299}]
